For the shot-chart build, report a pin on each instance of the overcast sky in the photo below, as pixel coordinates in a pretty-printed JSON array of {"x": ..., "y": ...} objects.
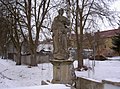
[{"x": 114, "y": 6}]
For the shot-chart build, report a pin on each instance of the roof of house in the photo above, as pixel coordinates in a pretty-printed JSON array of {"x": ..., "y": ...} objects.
[
  {"x": 108, "y": 33},
  {"x": 47, "y": 41}
]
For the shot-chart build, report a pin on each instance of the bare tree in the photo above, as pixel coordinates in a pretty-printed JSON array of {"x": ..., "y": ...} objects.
[
  {"x": 35, "y": 12},
  {"x": 13, "y": 19},
  {"x": 89, "y": 16},
  {"x": 28, "y": 18},
  {"x": 90, "y": 12},
  {"x": 4, "y": 38}
]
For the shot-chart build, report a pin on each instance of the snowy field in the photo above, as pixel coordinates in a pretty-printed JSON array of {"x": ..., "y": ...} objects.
[
  {"x": 103, "y": 70},
  {"x": 14, "y": 77},
  {"x": 20, "y": 76}
]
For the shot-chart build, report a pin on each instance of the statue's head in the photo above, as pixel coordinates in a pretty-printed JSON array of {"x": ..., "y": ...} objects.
[{"x": 61, "y": 11}]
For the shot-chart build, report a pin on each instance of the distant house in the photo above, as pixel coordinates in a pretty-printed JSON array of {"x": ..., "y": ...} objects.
[
  {"x": 46, "y": 45},
  {"x": 101, "y": 40},
  {"x": 106, "y": 37}
]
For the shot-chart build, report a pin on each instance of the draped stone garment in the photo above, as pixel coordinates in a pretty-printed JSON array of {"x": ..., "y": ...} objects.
[{"x": 59, "y": 29}]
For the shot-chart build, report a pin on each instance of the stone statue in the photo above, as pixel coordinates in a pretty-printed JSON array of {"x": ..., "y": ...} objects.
[{"x": 60, "y": 29}]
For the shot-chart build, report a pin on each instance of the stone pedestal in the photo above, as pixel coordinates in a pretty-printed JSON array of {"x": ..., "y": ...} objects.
[{"x": 62, "y": 71}]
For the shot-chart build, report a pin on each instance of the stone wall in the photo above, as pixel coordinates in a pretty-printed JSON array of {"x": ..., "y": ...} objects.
[
  {"x": 111, "y": 84},
  {"x": 25, "y": 59},
  {"x": 83, "y": 83},
  {"x": 87, "y": 83}
]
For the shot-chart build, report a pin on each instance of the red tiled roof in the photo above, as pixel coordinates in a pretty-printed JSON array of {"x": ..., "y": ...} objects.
[{"x": 108, "y": 33}]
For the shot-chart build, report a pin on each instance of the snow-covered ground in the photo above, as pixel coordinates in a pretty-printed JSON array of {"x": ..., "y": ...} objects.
[
  {"x": 117, "y": 58},
  {"x": 19, "y": 76},
  {"x": 103, "y": 70},
  {"x": 14, "y": 77},
  {"x": 51, "y": 86}
]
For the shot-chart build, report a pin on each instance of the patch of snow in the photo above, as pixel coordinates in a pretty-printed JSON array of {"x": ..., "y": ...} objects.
[
  {"x": 16, "y": 76},
  {"x": 113, "y": 80},
  {"x": 114, "y": 58},
  {"x": 101, "y": 71},
  {"x": 52, "y": 86}
]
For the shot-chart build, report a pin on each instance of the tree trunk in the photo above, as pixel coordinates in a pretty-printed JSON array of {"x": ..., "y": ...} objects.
[
  {"x": 33, "y": 60},
  {"x": 18, "y": 58},
  {"x": 119, "y": 51},
  {"x": 79, "y": 39},
  {"x": 80, "y": 60},
  {"x": 5, "y": 53}
]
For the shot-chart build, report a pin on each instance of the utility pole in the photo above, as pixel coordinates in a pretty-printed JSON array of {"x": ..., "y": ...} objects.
[
  {"x": 77, "y": 33},
  {"x": 68, "y": 4}
]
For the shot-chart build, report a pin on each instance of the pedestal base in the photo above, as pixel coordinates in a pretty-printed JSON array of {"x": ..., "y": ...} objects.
[{"x": 62, "y": 71}]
